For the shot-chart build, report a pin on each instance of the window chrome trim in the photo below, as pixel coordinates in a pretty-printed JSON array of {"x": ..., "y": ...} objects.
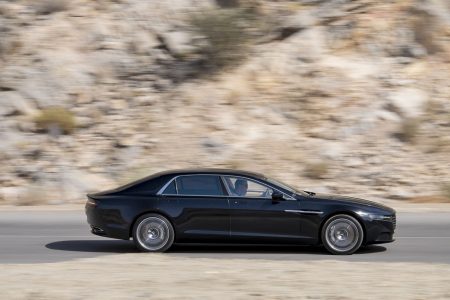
[
  {"x": 161, "y": 191},
  {"x": 225, "y": 185},
  {"x": 289, "y": 198}
]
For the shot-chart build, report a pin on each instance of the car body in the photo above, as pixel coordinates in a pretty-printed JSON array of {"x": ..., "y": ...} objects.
[{"x": 217, "y": 206}]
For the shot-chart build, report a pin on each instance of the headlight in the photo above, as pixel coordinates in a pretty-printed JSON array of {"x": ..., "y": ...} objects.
[{"x": 374, "y": 217}]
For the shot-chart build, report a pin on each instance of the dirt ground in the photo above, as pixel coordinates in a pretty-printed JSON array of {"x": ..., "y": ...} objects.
[{"x": 159, "y": 276}]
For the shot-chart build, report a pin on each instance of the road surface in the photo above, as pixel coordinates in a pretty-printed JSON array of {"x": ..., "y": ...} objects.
[{"x": 53, "y": 236}]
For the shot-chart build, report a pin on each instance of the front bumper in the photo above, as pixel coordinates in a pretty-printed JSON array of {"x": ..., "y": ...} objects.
[{"x": 380, "y": 232}]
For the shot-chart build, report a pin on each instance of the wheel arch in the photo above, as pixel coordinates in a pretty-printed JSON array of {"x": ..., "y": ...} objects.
[{"x": 343, "y": 212}]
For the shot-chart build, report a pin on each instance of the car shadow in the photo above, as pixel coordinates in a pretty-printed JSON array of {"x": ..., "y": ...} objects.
[
  {"x": 263, "y": 249},
  {"x": 94, "y": 246},
  {"x": 119, "y": 246}
]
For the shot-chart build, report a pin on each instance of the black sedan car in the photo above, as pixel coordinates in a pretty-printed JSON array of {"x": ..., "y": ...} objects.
[{"x": 229, "y": 206}]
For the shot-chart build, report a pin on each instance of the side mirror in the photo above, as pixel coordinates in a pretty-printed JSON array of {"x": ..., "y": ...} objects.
[{"x": 277, "y": 196}]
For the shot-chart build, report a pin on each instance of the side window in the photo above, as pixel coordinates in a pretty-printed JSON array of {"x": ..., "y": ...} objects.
[
  {"x": 171, "y": 189},
  {"x": 203, "y": 185},
  {"x": 244, "y": 187}
]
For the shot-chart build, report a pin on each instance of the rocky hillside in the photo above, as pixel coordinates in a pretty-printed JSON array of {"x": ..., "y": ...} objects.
[{"x": 338, "y": 96}]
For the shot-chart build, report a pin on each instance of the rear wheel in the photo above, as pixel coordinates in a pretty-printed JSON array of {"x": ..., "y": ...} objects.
[
  {"x": 342, "y": 234},
  {"x": 153, "y": 233}
]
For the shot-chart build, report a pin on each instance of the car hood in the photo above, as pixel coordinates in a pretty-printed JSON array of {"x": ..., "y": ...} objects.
[{"x": 352, "y": 200}]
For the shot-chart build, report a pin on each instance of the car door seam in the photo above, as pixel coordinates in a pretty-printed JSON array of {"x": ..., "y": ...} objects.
[{"x": 308, "y": 212}]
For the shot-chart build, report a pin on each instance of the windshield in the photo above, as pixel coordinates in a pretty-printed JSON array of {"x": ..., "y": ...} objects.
[{"x": 283, "y": 185}]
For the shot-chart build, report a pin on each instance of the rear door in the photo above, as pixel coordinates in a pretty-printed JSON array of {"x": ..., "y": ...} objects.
[
  {"x": 200, "y": 208},
  {"x": 255, "y": 217}
]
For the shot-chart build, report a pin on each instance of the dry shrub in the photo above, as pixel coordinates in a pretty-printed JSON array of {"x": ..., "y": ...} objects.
[
  {"x": 57, "y": 118},
  {"x": 236, "y": 164},
  {"x": 47, "y": 7},
  {"x": 316, "y": 170},
  {"x": 446, "y": 191},
  {"x": 409, "y": 130},
  {"x": 425, "y": 28},
  {"x": 226, "y": 34}
]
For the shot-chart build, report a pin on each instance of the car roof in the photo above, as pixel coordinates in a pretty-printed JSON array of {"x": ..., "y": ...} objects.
[{"x": 212, "y": 171}]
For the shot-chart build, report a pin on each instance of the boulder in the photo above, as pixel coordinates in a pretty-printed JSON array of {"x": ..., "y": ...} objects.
[
  {"x": 178, "y": 42},
  {"x": 12, "y": 103},
  {"x": 143, "y": 42},
  {"x": 407, "y": 102}
]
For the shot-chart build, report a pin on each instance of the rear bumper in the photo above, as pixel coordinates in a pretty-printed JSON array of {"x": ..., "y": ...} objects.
[
  {"x": 97, "y": 231},
  {"x": 101, "y": 224}
]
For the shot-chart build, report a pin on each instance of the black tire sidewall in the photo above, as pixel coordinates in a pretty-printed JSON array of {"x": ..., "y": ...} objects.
[
  {"x": 171, "y": 233},
  {"x": 360, "y": 234}
]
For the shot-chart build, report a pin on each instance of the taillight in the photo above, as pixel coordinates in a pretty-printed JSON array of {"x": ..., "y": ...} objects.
[{"x": 91, "y": 202}]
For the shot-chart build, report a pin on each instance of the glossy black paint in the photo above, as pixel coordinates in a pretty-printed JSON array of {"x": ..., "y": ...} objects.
[{"x": 230, "y": 218}]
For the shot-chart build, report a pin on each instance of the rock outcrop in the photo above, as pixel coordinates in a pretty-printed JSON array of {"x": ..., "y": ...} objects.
[{"x": 335, "y": 82}]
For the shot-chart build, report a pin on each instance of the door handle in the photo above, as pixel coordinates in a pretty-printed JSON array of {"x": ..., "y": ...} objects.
[{"x": 238, "y": 201}]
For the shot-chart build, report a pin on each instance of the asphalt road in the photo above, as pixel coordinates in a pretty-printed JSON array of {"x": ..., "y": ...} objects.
[{"x": 52, "y": 236}]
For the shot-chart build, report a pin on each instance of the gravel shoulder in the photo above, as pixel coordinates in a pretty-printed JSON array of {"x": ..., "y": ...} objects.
[{"x": 158, "y": 276}]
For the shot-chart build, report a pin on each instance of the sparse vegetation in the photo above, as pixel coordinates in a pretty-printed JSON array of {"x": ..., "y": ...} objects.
[
  {"x": 33, "y": 195},
  {"x": 56, "y": 118},
  {"x": 47, "y": 7},
  {"x": 234, "y": 163},
  {"x": 438, "y": 144},
  {"x": 227, "y": 36},
  {"x": 446, "y": 191},
  {"x": 424, "y": 31},
  {"x": 409, "y": 130},
  {"x": 9, "y": 44},
  {"x": 316, "y": 170}
]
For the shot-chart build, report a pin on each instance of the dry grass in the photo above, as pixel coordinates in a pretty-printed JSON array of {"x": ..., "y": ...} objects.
[{"x": 431, "y": 199}]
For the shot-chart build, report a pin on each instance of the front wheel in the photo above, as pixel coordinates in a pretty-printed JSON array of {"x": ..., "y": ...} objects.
[
  {"x": 342, "y": 234},
  {"x": 153, "y": 233}
]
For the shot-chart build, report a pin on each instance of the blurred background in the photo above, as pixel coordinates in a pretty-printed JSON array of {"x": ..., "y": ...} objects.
[{"x": 336, "y": 96}]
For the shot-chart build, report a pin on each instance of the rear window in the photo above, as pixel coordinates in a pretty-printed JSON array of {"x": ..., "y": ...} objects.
[
  {"x": 200, "y": 185},
  {"x": 144, "y": 186}
]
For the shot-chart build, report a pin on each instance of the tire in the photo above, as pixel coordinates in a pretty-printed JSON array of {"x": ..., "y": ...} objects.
[
  {"x": 153, "y": 233},
  {"x": 342, "y": 234}
]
